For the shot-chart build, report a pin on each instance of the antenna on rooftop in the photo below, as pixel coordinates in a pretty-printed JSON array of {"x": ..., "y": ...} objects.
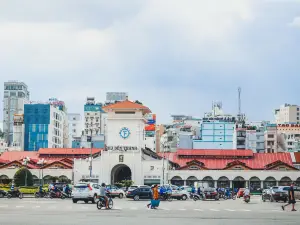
[{"x": 239, "y": 104}]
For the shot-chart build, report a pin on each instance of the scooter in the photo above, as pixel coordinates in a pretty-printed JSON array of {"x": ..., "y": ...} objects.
[
  {"x": 68, "y": 194},
  {"x": 14, "y": 194},
  {"x": 102, "y": 204},
  {"x": 57, "y": 194},
  {"x": 196, "y": 197},
  {"x": 43, "y": 194},
  {"x": 247, "y": 198}
]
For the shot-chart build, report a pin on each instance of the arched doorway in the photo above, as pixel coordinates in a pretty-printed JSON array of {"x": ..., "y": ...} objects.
[
  {"x": 209, "y": 180},
  {"x": 269, "y": 182},
  {"x": 239, "y": 182},
  {"x": 48, "y": 179},
  {"x": 191, "y": 180},
  {"x": 285, "y": 181},
  {"x": 298, "y": 182},
  {"x": 119, "y": 173},
  {"x": 177, "y": 180},
  {"x": 255, "y": 184},
  {"x": 4, "y": 179},
  {"x": 223, "y": 182},
  {"x": 36, "y": 180}
]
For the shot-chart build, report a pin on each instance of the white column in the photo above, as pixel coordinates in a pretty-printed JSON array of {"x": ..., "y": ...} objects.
[
  {"x": 215, "y": 183},
  {"x": 184, "y": 182},
  {"x": 262, "y": 184},
  {"x": 230, "y": 183}
]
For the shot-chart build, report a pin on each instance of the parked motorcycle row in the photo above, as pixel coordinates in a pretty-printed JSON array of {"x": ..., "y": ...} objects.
[{"x": 44, "y": 194}]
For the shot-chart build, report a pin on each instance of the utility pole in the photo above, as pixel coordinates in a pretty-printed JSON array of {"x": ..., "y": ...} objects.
[{"x": 239, "y": 104}]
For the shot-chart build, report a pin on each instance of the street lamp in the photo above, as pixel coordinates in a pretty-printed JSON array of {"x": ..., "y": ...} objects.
[
  {"x": 41, "y": 162},
  {"x": 25, "y": 162}
]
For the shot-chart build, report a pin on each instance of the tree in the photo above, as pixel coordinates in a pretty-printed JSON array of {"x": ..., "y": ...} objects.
[
  {"x": 138, "y": 102},
  {"x": 20, "y": 175}
]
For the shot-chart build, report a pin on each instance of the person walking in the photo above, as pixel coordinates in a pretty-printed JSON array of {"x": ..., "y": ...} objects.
[
  {"x": 155, "y": 196},
  {"x": 291, "y": 198}
]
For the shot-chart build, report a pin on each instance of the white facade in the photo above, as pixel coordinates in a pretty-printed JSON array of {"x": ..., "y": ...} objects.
[
  {"x": 58, "y": 135},
  {"x": 3, "y": 146},
  {"x": 287, "y": 114},
  {"x": 18, "y": 133},
  {"x": 75, "y": 126},
  {"x": 16, "y": 94}
]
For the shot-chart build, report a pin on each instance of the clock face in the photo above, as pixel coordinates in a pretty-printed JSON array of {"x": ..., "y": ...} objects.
[{"x": 124, "y": 133}]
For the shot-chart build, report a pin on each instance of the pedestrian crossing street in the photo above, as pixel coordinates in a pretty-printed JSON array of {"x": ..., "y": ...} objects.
[{"x": 90, "y": 208}]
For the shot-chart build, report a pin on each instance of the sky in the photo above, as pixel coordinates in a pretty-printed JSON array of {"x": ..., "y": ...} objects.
[{"x": 175, "y": 56}]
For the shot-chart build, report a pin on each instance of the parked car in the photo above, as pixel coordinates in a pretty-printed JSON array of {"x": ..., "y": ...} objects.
[
  {"x": 85, "y": 192},
  {"x": 116, "y": 192},
  {"x": 211, "y": 193},
  {"x": 186, "y": 188},
  {"x": 133, "y": 187},
  {"x": 180, "y": 194},
  {"x": 274, "y": 195},
  {"x": 140, "y": 193},
  {"x": 287, "y": 188},
  {"x": 240, "y": 193}
]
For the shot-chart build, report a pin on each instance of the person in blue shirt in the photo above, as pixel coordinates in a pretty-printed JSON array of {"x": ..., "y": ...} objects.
[
  {"x": 227, "y": 192},
  {"x": 40, "y": 188},
  {"x": 193, "y": 190},
  {"x": 12, "y": 188}
]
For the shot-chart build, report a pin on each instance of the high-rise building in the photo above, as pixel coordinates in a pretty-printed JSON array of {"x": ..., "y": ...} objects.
[
  {"x": 46, "y": 126},
  {"x": 18, "y": 133},
  {"x": 16, "y": 94},
  {"x": 287, "y": 113},
  {"x": 75, "y": 126},
  {"x": 94, "y": 118}
]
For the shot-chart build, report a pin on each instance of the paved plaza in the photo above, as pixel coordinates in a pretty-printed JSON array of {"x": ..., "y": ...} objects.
[{"x": 57, "y": 211}]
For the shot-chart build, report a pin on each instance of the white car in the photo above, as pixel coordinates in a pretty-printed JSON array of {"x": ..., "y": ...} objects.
[
  {"x": 117, "y": 192},
  {"x": 86, "y": 192},
  {"x": 180, "y": 194}
]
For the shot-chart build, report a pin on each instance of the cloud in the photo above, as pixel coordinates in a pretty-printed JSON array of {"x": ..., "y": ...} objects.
[
  {"x": 295, "y": 23},
  {"x": 166, "y": 53}
]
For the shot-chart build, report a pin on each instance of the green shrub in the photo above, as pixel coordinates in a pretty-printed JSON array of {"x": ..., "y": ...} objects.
[{"x": 20, "y": 175}]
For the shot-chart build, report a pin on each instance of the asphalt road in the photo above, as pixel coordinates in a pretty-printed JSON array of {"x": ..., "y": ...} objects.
[{"x": 64, "y": 212}]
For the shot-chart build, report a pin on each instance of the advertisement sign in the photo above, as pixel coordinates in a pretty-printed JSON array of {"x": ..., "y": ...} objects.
[{"x": 149, "y": 133}]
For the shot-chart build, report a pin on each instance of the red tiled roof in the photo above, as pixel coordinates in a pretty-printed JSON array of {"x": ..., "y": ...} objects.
[
  {"x": 2, "y": 161},
  {"x": 127, "y": 105},
  {"x": 215, "y": 152},
  {"x": 259, "y": 160},
  {"x": 68, "y": 151},
  {"x": 16, "y": 155}
]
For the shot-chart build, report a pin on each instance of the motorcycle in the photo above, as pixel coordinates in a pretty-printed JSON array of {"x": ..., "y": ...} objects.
[
  {"x": 57, "y": 194},
  {"x": 231, "y": 196},
  {"x": 247, "y": 198},
  {"x": 166, "y": 197},
  {"x": 67, "y": 194},
  {"x": 43, "y": 194},
  {"x": 102, "y": 204},
  {"x": 3, "y": 193},
  {"x": 196, "y": 197},
  {"x": 14, "y": 194}
]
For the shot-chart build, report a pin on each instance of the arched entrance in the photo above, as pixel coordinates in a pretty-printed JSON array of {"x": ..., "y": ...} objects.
[
  {"x": 269, "y": 182},
  {"x": 223, "y": 182},
  {"x": 177, "y": 180},
  {"x": 239, "y": 182},
  {"x": 285, "y": 181},
  {"x": 119, "y": 173},
  {"x": 208, "y": 180},
  {"x": 255, "y": 184},
  {"x": 191, "y": 180},
  {"x": 298, "y": 182},
  {"x": 36, "y": 180},
  {"x": 4, "y": 179}
]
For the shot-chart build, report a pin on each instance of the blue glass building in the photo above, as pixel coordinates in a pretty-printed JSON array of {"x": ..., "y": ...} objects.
[{"x": 36, "y": 120}]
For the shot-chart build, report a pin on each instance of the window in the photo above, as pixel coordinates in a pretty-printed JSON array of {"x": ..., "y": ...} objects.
[
  {"x": 282, "y": 168},
  {"x": 270, "y": 135},
  {"x": 151, "y": 167},
  {"x": 297, "y": 114},
  {"x": 297, "y": 118},
  {"x": 74, "y": 130},
  {"x": 238, "y": 168},
  {"x": 297, "y": 109}
]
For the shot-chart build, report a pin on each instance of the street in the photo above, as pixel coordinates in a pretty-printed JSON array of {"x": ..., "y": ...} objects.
[{"x": 57, "y": 211}]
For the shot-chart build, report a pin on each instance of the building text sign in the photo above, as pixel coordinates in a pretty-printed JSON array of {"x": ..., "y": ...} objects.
[{"x": 122, "y": 148}]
